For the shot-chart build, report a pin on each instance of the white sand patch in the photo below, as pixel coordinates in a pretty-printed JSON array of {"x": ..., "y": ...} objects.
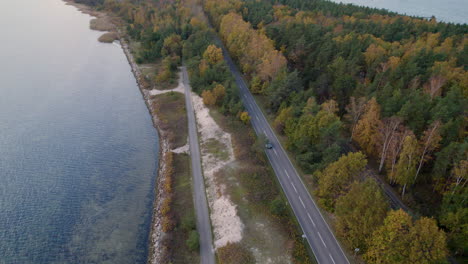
[
  {"x": 179, "y": 88},
  {"x": 227, "y": 226},
  {"x": 183, "y": 149}
]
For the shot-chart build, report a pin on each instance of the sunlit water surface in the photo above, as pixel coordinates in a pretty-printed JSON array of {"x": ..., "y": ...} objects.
[{"x": 78, "y": 153}]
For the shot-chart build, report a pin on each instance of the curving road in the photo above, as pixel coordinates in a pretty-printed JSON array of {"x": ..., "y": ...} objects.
[
  {"x": 317, "y": 232},
  {"x": 201, "y": 205}
]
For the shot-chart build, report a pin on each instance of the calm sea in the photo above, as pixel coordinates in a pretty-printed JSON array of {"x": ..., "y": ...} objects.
[
  {"x": 455, "y": 11},
  {"x": 78, "y": 152}
]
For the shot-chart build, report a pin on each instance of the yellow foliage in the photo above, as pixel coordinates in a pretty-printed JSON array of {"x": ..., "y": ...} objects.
[
  {"x": 167, "y": 224},
  {"x": 213, "y": 54},
  {"x": 203, "y": 67},
  {"x": 208, "y": 97},
  {"x": 254, "y": 50},
  {"x": 219, "y": 92},
  {"x": 166, "y": 206},
  {"x": 244, "y": 117},
  {"x": 331, "y": 106},
  {"x": 257, "y": 86},
  {"x": 195, "y": 22},
  {"x": 163, "y": 76},
  {"x": 367, "y": 129},
  {"x": 393, "y": 62},
  {"x": 373, "y": 52}
]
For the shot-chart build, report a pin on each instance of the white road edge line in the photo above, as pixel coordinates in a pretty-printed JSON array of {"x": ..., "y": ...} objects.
[
  {"x": 242, "y": 83},
  {"x": 294, "y": 187},
  {"x": 323, "y": 242},
  {"x": 331, "y": 258},
  {"x": 303, "y": 205},
  {"x": 311, "y": 219}
]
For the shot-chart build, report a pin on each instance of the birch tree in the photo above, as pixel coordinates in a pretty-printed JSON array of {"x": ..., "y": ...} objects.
[
  {"x": 429, "y": 141},
  {"x": 388, "y": 131},
  {"x": 406, "y": 166},
  {"x": 354, "y": 110}
]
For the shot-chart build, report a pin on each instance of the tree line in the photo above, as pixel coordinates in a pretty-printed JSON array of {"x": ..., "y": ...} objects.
[{"x": 394, "y": 86}]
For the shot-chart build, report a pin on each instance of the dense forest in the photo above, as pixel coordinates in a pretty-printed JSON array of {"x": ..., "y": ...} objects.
[
  {"x": 335, "y": 77},
  {"x": 352, "y": 91}
]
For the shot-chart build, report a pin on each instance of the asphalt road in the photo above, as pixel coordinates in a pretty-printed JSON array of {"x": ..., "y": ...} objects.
[
  {"x": 201, "y": 205},
  {"x": 317, "y": 232}
]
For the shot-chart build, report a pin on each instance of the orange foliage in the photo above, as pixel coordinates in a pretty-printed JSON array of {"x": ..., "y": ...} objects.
[
  {"x": 208, "y": 97},
  {"x": 254, "y": 50}
]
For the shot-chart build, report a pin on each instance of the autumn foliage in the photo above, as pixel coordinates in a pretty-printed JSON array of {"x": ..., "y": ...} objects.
[{"x": 254, "y": 50}]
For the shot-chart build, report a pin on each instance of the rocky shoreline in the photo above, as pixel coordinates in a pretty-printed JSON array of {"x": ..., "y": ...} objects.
[
  {"x": 155, "y": 252},
  {"x": 156, "y": 233}
]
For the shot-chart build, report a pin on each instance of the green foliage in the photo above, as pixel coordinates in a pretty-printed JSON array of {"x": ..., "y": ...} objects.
[
  {"x": 416, "y": 69},
  {"x": 454, "y": 213},
  {"x": 336, "y": 177},
  {"x": 359, "y": 212},
  {"x": 193, "y": 241},
  {"x": 406, "y": 166},
  {"x": 278, "y": 207},
  {"x": 188, "y": 223},
  {"x": 281, "y": 88},
  {"x": 315, "y": 136},
  {"x": 257, "y": 12}
]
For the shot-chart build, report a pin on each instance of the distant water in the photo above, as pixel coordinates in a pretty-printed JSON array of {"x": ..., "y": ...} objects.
[
  {"x": 78, "y": 153},
  {"x": 455, "y": 11}
]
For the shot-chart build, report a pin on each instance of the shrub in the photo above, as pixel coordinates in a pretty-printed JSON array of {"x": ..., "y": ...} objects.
[
  {"x": 193, "y": 241},
  {"x": 208, "y": 97},
  {"x": 235, "y": 253},
  {"x": 166, "y": 206},
  {"x": 188, "y": 222},
  {"x": 167, "y": 224},
  {"x": 278, "y": 207}
]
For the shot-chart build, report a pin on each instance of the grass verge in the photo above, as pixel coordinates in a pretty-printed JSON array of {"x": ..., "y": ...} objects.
[
  {"x": 185, "y": 248},
  {"x": 181, "y": 240},
  {"x": 170, "y": 109},
  {"x": 270, "y": 232}
]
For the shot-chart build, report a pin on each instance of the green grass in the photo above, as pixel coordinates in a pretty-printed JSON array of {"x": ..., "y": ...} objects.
[
  {"x": 216, "y": 148},
  {"x": 184, "y": 212},
  {"x": 252, "y": 186},
  {"x": 170, "y": 108}
]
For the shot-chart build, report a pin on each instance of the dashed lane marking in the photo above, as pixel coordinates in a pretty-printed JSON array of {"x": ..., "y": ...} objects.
[
  {"x": 303, "y": 205},
  {"x": 294, "y": 187},
  {"x": 323, "y": 242},
  {"x": 311, "y": 219}
]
